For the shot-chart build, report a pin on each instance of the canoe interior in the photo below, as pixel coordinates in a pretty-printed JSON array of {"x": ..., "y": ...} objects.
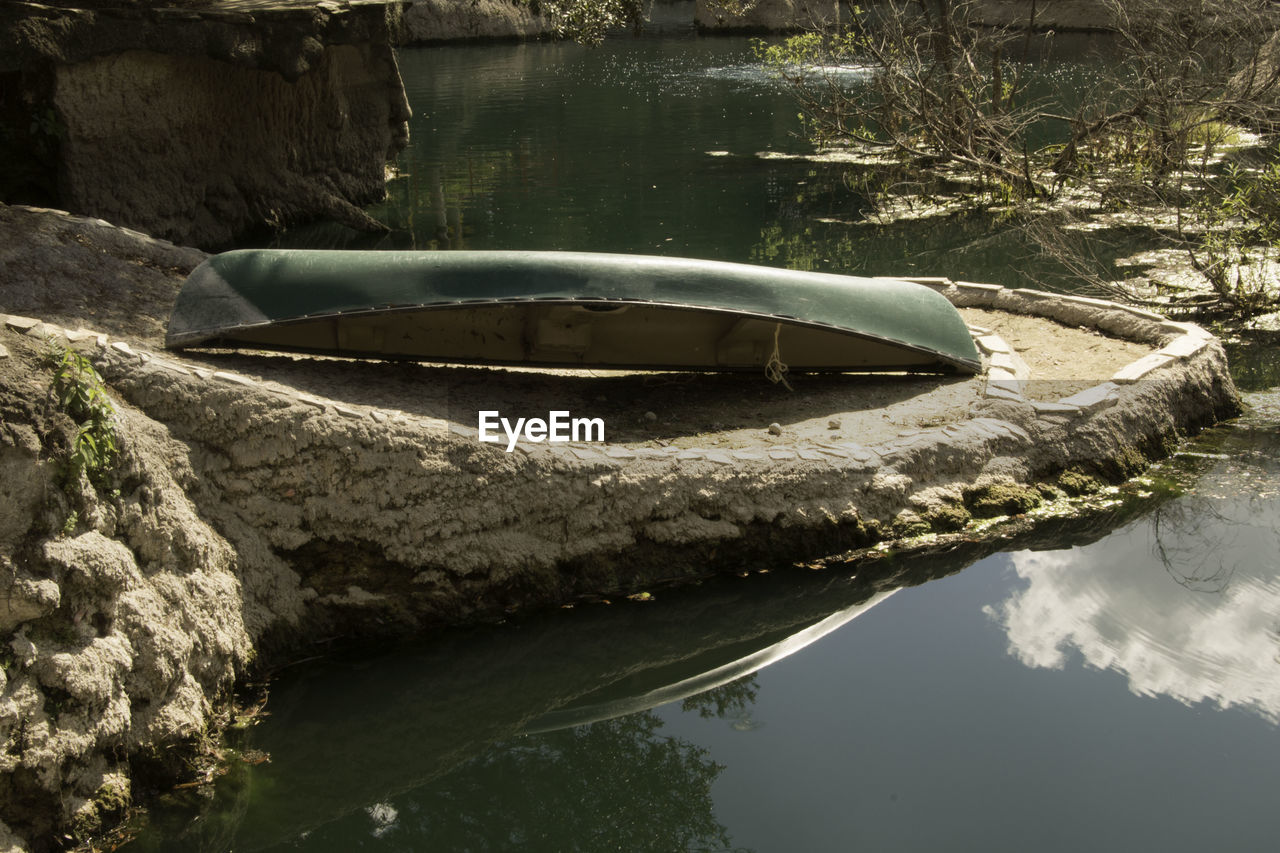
[{"x": 605, "y": 335}]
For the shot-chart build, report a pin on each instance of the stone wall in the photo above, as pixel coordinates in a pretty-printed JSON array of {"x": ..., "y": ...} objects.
[
  {"x": 199, "y": 125},
  {"x": 427, "y": 21}
]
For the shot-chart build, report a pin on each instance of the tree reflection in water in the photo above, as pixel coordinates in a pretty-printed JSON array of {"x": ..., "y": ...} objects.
[
  {"x": 730, "y": 702},
  {"x": 614, "y": 785}
]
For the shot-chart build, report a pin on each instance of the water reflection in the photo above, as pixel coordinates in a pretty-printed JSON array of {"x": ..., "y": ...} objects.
[
  {"x": 437, "y": 735},
  {"x": 700, "y": 676},
  {"x": 1184, "y": 603},
  {"x": 616, "y": 785}
]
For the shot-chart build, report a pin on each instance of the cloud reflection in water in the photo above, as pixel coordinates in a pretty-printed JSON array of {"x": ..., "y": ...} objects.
[{"x": 1185, "y": 603}]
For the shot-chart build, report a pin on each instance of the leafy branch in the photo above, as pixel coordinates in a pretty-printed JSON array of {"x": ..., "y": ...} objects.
[{"x": 80, "y": 392}]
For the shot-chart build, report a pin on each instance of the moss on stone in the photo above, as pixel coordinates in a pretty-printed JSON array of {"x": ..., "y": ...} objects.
[
  {"x": 1050, "y": 492},
  {"x": 907, "y": 525},
  {"x": 1128, "y": 462},
  {"x": 947, "y": 517},
  {"x": 1075, "y": 482},
  {"x": 113, "y": 798},
  {"x": 1002, "y": 498}
]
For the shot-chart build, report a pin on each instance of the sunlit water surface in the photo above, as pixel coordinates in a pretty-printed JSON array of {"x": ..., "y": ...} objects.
[{"x": 1109, "y": 683}]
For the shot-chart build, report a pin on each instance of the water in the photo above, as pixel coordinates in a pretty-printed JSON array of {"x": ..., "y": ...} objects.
[
  {"x": 669, "y": 146},
  {"x": 1110, "y": 682}
]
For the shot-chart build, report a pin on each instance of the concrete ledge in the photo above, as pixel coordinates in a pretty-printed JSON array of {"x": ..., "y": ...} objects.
[{"x": 629, "y": 486}]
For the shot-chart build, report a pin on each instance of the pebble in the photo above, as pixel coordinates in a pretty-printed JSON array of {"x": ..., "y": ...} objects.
[
  {"x": 833, "y": 424},
  {"x": 650, "y": 416},
  {"x": 775, "y": 429},
  {"x": 4, "y": 352}
]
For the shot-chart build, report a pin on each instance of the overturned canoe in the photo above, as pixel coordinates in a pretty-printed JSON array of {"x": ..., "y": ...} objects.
[{"x": 566, "y": 309}]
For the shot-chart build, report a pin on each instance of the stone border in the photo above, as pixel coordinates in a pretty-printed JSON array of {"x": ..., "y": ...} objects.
[{"x": 467, "y": 521}]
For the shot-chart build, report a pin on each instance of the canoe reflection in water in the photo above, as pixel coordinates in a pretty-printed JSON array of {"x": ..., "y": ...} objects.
[{"x": 499, "y": 711}]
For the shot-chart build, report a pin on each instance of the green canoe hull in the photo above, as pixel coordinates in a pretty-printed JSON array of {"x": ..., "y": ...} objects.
[{"x": 566, "y": 309}]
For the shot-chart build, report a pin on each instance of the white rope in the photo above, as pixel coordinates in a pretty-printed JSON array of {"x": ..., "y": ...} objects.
[{"x": 774, "y": 370}]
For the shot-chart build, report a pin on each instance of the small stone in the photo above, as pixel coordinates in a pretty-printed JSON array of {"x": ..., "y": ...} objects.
[
  {"x": 775, "y": 429},
  {"x": 833, "y": 424},
  {"x": 650, "y": 416},
  {"x": 4, "y": 351},
  {"x": 1184, "y": 347},
  {"x": 20, "y": 324},
  {"x": 234, "y": 378}
]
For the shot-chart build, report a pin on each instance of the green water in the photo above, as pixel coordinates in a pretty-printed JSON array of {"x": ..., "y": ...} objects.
[
  {"x": 1106, "y": 683},
  {"x": 670, "y": 146}
]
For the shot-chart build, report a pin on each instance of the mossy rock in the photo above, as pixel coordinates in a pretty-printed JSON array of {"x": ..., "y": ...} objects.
[
  {"x": 908, "y": 525},
  {"x": 106, "y": 806},
  {"x": 1005, "y": 498},
  {"x": 1129, "y": 462},
  {"x": 1076, "y": 483},
  {"x": 947, "y": 518},
  {"x": 1049, "y": 492}
]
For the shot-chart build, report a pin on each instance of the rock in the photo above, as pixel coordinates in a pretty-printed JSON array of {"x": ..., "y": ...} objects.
[
  {"x": 650, "y": 416},
  {"x": 775, "y": 429},
  {"x": 428, "y": 21},
  {"x": 281, "y": 117},
  {"x": 104, "y": 565},
  {"x": 833, "y": 424},
  {"x": 107, "y": 662},
  {"x": 72, "y": 270},
  {"x": 24, "y": 599}
]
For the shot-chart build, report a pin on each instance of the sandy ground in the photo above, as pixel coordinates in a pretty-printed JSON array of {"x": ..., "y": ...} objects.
[{"x": 702, "y": 410}]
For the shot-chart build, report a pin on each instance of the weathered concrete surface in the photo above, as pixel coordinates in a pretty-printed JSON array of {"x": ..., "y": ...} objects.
[
  {"x": 200, "y": 123},
  {"x": 122, "y": 619},
  {"x": 265, "y": 500},
  {"x": 428, "y": 21}
]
